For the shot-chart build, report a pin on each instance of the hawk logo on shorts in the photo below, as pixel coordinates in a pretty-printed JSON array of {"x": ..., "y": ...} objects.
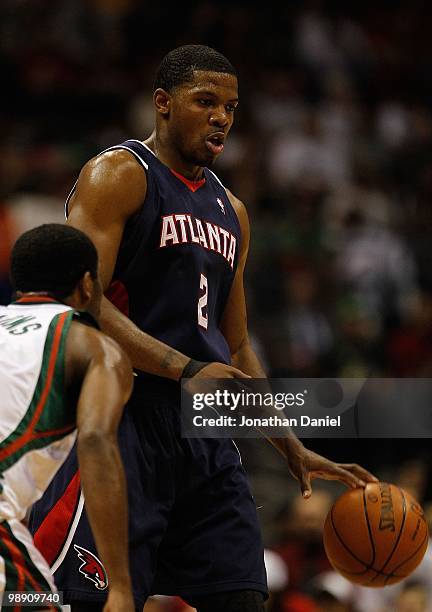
[{"x": 92, "y": 568}]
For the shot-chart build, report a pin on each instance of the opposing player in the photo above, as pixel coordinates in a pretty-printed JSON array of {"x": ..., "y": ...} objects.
[
  {"x": 173, "y": 244},
  {"x": 61, "y": 381}
]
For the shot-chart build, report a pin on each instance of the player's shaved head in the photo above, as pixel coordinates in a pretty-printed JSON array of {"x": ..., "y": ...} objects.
[
  {"x": 52, "y": 258},
  {"x": 178, "y": 66}
]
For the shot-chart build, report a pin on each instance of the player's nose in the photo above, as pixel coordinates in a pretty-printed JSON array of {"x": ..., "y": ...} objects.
[{"x": 219, "y": 117}]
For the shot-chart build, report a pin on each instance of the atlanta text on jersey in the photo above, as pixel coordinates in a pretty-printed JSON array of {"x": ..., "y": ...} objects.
[{"x": 187, "y": 229}]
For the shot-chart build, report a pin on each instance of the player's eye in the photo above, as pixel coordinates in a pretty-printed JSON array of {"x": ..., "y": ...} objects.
[
  {"x": 205, "y": 102},
  {"x": 230, "y": 108}
]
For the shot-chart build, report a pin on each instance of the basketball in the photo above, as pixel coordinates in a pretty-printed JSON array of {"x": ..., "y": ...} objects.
[{"x": 375, "y": 536}]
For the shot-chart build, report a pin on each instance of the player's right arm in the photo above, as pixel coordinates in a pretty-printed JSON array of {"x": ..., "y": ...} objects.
[
  {"x": 99, "y": 372},
  {"x": 110, "y": 189}
]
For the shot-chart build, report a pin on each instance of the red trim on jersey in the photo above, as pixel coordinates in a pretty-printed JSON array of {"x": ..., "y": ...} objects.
[
  {"x": 17, "y": 559},
  {"x": 118, "y": 295},
  {"x": 192, "y": 185},
  {"x": 23, "y": 573},
  {"x": 56, "y": 432},
  {"x": 40, "y": 299},
  {"x": 52, "y": 532}
]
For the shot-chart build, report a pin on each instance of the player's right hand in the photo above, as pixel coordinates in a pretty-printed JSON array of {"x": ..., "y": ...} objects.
[
  {"x": 215, "y": 376},
  {"x": 219, "y": 370},
  {"x": 119, "y": 600}
]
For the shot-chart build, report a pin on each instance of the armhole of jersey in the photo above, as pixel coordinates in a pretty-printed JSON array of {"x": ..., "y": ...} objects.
[
  {"x": 71, "y": 192},
  {"x": 114, "y": 148},
  {"x": 228, "y": 198},
  {"x": 134, "y": 153}
]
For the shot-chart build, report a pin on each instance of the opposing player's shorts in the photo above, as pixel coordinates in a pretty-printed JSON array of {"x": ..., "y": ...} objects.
[
  {"x": 193, "y": 527},
  {"x": 23, "y": 570}
]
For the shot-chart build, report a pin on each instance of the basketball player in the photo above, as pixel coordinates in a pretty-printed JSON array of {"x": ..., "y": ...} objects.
[
  {"x": 59, "y": 374},
  {"x": 173, "y": 244}
]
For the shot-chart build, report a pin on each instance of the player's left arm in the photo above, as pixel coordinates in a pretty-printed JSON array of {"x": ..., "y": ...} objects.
[
  {"x": 234, "y": 322},
  {"x": 303, "y": 463}
]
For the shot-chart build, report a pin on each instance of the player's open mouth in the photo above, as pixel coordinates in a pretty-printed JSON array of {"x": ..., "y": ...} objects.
[{"x": 215, "y": 143}]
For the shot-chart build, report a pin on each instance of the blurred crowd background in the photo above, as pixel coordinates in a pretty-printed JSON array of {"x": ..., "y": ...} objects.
[{"x": 332, "y": 154}]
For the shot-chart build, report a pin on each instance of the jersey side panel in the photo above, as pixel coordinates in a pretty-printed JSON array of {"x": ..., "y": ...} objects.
[{"x": 38, "y": 434}]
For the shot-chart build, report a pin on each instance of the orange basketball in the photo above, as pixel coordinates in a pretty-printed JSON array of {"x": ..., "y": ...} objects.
[{"x": 376, "y": 536}]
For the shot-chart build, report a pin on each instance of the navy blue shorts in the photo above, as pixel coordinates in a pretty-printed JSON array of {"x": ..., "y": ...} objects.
[{"x": 193, "y": 527}]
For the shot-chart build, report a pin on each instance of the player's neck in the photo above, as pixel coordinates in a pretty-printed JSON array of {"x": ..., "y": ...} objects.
[{"x": 167, "y": 155}]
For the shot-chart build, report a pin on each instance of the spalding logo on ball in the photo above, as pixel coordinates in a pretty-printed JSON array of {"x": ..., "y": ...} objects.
[{"x": 376, "y": 536}]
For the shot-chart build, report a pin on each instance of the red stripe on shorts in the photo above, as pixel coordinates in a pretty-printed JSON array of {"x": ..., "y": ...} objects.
[{"x": 52, "y": 532}]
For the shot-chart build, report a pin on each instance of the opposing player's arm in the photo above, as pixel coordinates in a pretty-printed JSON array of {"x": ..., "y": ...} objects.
[
  {"x": 110, "y": 189},
  {"x": 97, "y": 366},
  {"x": 303, "y": 464}
]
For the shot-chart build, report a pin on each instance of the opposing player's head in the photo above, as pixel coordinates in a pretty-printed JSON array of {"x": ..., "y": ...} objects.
[
  {"x": 60, "y": 261},
  {"x": 195, "y": 95}
]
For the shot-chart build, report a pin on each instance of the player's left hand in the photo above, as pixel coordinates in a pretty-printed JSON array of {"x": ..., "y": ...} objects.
[{"x": 305, "y": 465}]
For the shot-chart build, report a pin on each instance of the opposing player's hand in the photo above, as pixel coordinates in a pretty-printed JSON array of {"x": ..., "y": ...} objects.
[
  {"x": 220, "y": 370},
  {"x": 119, "y": 600},
  {"x": 305, "y": 465}
]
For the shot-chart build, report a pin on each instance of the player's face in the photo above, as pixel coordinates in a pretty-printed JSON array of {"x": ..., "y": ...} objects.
[{"x": 201, "y": 115}]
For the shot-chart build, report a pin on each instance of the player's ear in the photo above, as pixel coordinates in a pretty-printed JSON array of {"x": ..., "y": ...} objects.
[
  {"x": 85, "y": 288},
  {"x": 162, "y": 101}
]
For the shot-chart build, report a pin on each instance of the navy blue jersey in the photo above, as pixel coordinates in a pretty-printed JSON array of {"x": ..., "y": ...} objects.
[
  {"x": 177, "y": 259},
  {"x": 193, "y": 526}
]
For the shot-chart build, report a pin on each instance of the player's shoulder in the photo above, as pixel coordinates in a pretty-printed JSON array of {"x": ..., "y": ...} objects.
[
  {"x": 115, "y": 164},
  {"x": 236, "y": 203},
  {"x": 90, "y": 350},
  {"x": 112, "y": 183},
  {"x": 239, "y": 208},
  {"x": 87, "y": 343}
]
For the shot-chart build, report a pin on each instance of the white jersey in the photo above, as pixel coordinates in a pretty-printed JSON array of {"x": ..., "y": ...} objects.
[{"x": 37, "y": 426}]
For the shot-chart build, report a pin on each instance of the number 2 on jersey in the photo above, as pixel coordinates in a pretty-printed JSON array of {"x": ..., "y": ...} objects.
[{"x": 202, "y": 303}]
